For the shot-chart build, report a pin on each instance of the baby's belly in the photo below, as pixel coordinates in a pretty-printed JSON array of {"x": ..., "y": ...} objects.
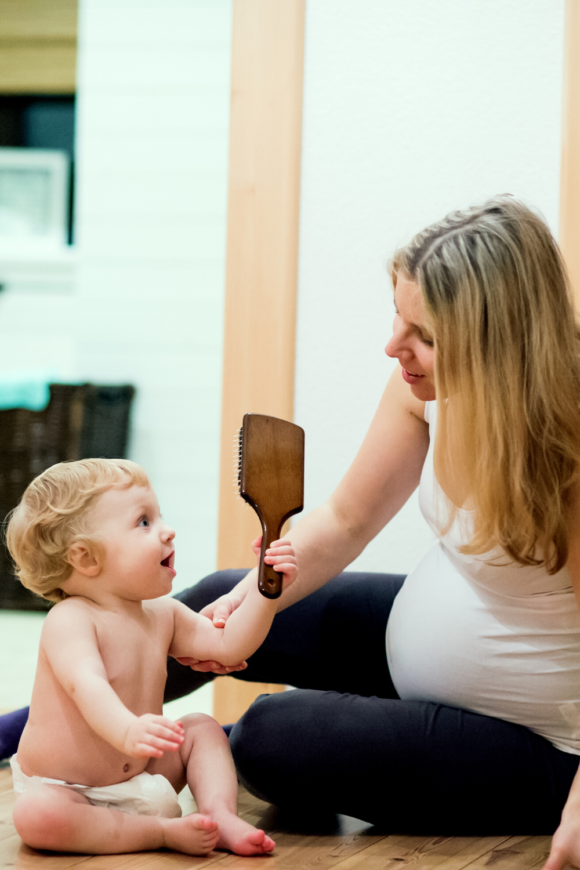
[
  {"x": 58, "y": 743},
  {"x": 74, "y": 755},
  {"x": 452, "y": 642}
]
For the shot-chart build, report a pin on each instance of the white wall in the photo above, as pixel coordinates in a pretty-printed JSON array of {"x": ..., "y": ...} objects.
[
  {"x": 152, "y": 136},
  {"x": 411, "y": 108}
]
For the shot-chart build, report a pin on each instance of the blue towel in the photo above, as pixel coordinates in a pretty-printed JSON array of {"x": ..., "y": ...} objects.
[
  {"x": 26, "y": 389},
  {"x": 11, "y": 727}
]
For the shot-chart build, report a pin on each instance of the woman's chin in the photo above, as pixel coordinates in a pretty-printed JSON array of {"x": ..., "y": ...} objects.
[{"x": 424, "y": 391}]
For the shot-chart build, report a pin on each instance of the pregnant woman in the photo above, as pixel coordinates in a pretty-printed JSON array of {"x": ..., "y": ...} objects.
[{"x": 447, "y": 702}]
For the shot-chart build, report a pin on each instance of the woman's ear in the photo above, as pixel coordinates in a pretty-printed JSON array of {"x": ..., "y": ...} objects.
[{"x": 84, "y": 559}]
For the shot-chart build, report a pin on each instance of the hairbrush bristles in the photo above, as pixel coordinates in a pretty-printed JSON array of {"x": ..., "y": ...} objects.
[{"x": 237, "y": 456}]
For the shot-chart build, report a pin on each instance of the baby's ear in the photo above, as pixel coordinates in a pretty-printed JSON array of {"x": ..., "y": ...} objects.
[{"x": 84, "y": 559}]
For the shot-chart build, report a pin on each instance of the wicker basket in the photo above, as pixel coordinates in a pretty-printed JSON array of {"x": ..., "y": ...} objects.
[{"x": 79, "y": 422}]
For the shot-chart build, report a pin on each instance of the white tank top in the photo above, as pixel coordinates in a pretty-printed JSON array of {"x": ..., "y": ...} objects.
[{"x": 502, "y": 641}]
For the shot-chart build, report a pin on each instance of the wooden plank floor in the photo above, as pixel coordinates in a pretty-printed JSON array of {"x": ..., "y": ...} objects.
[{"x": 301, "y": 845}]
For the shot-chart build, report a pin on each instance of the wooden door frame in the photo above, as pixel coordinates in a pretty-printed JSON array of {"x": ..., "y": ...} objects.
[
  {"x": 261, "y": 261},
  {"x": 569, "y": 233}
]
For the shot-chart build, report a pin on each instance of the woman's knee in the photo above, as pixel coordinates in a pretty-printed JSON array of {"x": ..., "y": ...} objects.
[
  {"x": 270, "y": 743},
  {"x": 253, "y": 745}
]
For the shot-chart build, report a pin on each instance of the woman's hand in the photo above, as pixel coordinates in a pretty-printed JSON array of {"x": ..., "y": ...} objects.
[
  {"x": 565, "y": 851},
  {"x": 211, "y": 667},
  {"x": 222, "y": 608}
]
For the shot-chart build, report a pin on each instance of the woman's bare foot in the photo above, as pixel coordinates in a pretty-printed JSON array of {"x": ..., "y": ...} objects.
[
  {"x": 239, "y": 837},
  {"x": 194, "y": 834}
]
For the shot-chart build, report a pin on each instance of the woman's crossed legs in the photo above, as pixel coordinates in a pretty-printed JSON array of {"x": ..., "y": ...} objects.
[{"x": 344, "y": 741}]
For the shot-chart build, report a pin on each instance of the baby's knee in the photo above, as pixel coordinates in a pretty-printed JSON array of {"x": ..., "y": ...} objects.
[
  {"x": 198, "y": 721},
  {"x": 40, "y": 821},
  {"x": 199, "y": 726}
]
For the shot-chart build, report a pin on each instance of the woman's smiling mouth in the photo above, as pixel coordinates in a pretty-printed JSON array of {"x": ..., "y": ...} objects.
[{"x": 409, "y": 377}]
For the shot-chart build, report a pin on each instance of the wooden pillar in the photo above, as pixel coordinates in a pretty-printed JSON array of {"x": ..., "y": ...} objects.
[
  {"x": 262, "y": 261},
  {"x": 570, "y": 173}
]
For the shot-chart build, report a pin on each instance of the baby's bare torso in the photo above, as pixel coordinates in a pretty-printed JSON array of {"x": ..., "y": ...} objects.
[{"x": 57, "y": 742}]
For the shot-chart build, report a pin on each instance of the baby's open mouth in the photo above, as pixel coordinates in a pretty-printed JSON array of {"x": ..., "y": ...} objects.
[{"x": 168, "y": 561}]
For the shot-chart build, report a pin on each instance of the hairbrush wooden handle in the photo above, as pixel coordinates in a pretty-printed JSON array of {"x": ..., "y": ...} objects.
[{"x": 269, "y": 580}]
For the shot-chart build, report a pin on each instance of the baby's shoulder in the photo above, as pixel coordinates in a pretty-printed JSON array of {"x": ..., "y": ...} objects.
[{"x": 74, "y": 611}]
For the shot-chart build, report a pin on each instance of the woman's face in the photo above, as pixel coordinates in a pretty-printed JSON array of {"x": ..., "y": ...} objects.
[{"x": 411, "y": 342}]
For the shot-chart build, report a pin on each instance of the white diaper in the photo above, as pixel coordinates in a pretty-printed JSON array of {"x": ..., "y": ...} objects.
[{"x": 142, "y": 795}]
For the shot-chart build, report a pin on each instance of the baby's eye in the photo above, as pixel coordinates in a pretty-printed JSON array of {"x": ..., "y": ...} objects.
[{"x": 144, "y": 523}]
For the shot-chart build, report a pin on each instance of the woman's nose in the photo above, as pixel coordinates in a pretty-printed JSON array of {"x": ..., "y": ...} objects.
[{"x": 393, "y": 346}]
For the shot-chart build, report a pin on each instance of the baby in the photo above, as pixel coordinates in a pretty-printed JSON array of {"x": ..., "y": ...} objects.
[{"x": 89, "y": 535}]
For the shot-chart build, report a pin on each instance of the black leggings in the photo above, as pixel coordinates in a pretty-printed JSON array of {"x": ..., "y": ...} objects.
[{"x": 345, "y": 742}]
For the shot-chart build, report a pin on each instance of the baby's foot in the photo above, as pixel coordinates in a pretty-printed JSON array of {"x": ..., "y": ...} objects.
[
  {"x": 239, "y": 837},
  {"x": 194, "y": 834}
]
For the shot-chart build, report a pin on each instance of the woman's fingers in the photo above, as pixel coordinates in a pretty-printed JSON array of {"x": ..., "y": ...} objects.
[
  {"x": 211, "y": 667},
  {"x": 221, "y": 614},
  {"x": 565, "y": 851},
  {"x": 220, "y": 610},
  {"x": 557, "y": 862}
]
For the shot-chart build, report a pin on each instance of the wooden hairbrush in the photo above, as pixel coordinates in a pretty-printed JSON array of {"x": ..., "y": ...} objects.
[{"x": 271, "y": 480}]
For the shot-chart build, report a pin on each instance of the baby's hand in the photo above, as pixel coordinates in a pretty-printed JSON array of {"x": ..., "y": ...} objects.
[
  {"x": 150, "y": 736},
  {"x": 281, "y": 556}
]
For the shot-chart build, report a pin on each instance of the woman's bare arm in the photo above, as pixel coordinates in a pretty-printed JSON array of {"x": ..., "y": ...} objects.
[{"x": 384, "y": 473}]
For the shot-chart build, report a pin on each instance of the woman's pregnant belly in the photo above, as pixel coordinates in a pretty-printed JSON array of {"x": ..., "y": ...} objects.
[{"x": 516, "y": 658}]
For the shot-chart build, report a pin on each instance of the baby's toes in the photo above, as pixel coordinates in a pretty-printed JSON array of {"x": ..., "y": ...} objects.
[
  {"x": 205, "y": 823},
  {"x": 209, "y": 839},
  {"x": 268, "y": 844},
  {"x": 257, "y": 840}
]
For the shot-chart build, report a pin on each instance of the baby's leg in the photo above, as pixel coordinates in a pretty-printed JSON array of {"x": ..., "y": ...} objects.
[
  {"x": 211, "y": 776},
  {"x": 57, "y": 818}
]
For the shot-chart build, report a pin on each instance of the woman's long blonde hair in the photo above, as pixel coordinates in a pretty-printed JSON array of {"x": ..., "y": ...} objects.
[{"x": 507, "y": 373}]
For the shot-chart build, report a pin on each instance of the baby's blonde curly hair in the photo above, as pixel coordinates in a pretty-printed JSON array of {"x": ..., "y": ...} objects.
[{"x": 52, "y": 516}]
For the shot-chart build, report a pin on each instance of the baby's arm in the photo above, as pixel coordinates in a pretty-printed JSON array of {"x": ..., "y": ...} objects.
[
  {"x": 195, "y": 636},
  {"x": 69, "y": 643}
]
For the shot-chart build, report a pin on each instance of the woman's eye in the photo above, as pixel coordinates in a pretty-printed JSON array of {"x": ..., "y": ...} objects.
[
  {"x": 143, "y": 523},
  {"x": 428, "y": 341}
]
